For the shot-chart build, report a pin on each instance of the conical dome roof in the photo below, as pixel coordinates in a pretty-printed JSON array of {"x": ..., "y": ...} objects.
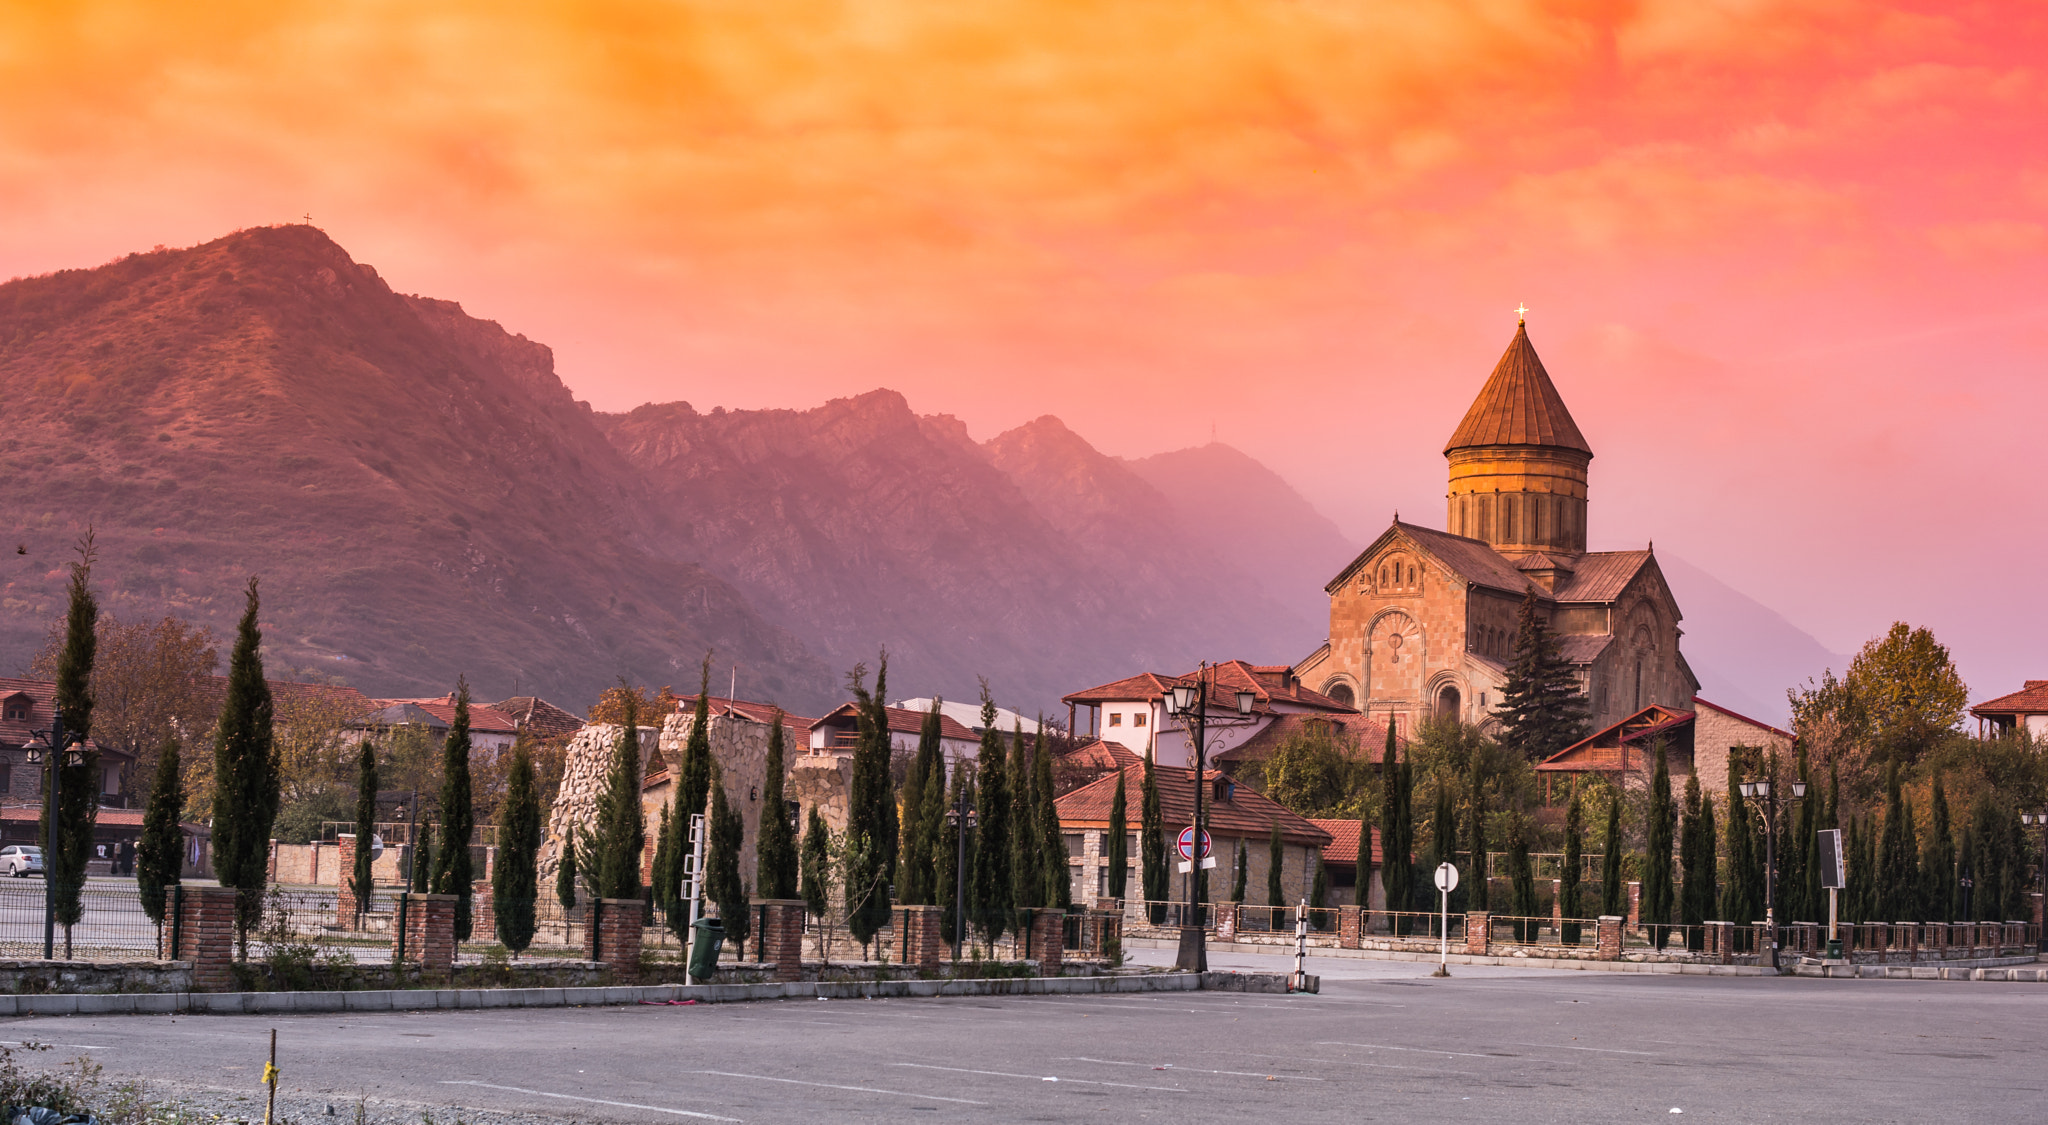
[{"x": 1519, "y": 406}]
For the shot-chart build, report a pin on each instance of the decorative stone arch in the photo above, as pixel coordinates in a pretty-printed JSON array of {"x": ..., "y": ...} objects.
[
  {"x": 1643, "y": 627},
  {"x": 1447, "y": 696},
  {"x": 1342, "y": 687},
  {"x": 1393, "y": 652}
]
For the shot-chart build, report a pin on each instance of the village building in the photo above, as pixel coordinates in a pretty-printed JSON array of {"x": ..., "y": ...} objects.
[
  {"x": 2025, "y": 709},
  {"x": 1340, "y": 859},
  {"x": 490, "y": 730},
  {"x": 1132, "y": 711},
  {"x": 969, "y": 715},
  {"x": 838, "y": 732},
  {"x": 1423, "y": 621},
  {"x": 540, "y": 719},
  {"x": 1696, "y": 741},
  {"x": 27, "y": 706}
]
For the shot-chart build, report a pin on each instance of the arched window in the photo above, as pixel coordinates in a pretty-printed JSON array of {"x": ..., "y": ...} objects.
[
  {"x": 1341, "y": 692},
  {"x": 1448, "y": 702}
]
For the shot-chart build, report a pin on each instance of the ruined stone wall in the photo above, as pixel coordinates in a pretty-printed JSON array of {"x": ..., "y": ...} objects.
[{"x": 588, "y": 758}]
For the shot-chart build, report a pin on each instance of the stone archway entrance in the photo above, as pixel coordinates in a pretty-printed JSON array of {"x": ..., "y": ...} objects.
[{"x": 1449, "y": 703}]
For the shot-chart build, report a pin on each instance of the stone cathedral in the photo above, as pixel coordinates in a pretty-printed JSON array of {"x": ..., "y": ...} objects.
[{"x": 1423, "y": 622}]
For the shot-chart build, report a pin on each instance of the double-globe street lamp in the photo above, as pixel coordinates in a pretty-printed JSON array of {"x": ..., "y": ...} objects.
[
  {"x": 1190, "y": 703},
  {"x": 2040, "y": 820},
  {"x": 53, "y": 749},
  {"x": 962, "y": 819},
  {"x": 1763, "y": 791}
]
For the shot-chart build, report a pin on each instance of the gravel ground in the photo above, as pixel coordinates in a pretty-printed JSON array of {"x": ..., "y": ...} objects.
[{"x": 298, "y": 1107}]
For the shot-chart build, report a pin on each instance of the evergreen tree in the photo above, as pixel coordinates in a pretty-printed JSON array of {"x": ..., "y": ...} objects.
[
  {"x": 1691, "y": 912},
  {"x": 1938, "y": 860},
  {"x": 1397, "y": 844},
  {"x": 1797, "y": 879},
  {"x": 948, "y": 866},
  {"x": 722, "y": 882},
  {"x": 665, "y": 873},
  {"x": 77, "y": 805},
  {"x": 1521, "y": 881},
  {"x": 159, "y": 855},
  {"x": 361, "y": 882},
  {"x": 565, "y": 873},
  {"x": 1742, "y": 898},
  {"x": 245, "y": 777},
  {"x": 870, "y": 860},
  {"x": 1898, "y": 863},
  {"x": 1117, "y": 844},
  {"x": 1276, "y": 857},
  {"x": 1361, "y": 883},
  {"x": 515, "y": 878},
  {"x": 1443, "y": 848},
  {"x": 1541, "y": 709},
  {"x": 988, "y": 892},
  {"x": 1027, "y": 866},
  {"x": 775, "y": 863},
  {"x": 1851, "y": 901},
  {"x": 1052, "y": 851},
  {"x": 452, "y": 870},
  {"x": 815, "y": 881},
  {"x": 1478, "y": 897},
  {"x": 932, "y": 831},
  {"x": 1152, "y": 847},
  {"x": 914, "y": 887},
  {"x": 1570, "y": 906},
  {"x": 422, "y": 873},
  {"x": 1318, "y": 889},
  {"x": 1657, "y": 904},
  {"x": 1237, "y": 885},
  {"x": 693, "y": 779},
  {"x": 621, "y": 825},
  {"x": 1613, "y": 894}
]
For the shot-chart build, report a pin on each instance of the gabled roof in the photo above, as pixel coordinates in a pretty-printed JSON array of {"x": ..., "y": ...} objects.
[
  {"x": 1144, "y": 685},
  {"x": 1342, "y": 850},
  {"x": 1366, "y": 737},
  {"x": 1697, "y": 703},
  {"x": 2029, "y": 700},
  {"x": 42, "y": 699},
  {"x": 1583, "y": 648},
  {"x": 538, "y": 717},
  {"x": 1601, "y": 576},
  {"x": 1268, "y": 683},
  {"x": 1519, "y": 405},
  {"x": 1246, "y": 814},
  {"x": 439, "y": 712},
  {"x": 1602, "y": 750},
  {"x": 1100, "y": 755},
  {"x": 762, "y": 713},
  {"x": 1473, "y": 560},
  {"x": 900, "y": 721}
]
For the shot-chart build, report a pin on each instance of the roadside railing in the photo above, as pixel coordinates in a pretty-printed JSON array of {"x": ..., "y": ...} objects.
[{"x": 1544, "y": 932}]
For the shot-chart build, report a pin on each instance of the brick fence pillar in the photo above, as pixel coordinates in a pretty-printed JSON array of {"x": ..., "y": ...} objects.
[
  {"x": 616, "y": 926},
  {"x": 1635, "y": 906},
  {"x": 1557, "y": 906},
  {"x": 428, "y": 938},
  {"x": 1478, "y": 931},
  {"x": 483, "y": 924},
  {"x": 1721, "y": 941},
  {"x": 1226, "y": 921},
  {"x": 204, "y": 929},
  {"x": 919, "y": 943},
  {"x": 782, "y": 931},
  {"x": 1607, "y": 938},
  {"x": 273, "y": 862},
  {"x": 1048, "y": 940},
  {"x": 345, "y": 906},
  {"x": 1350, "y": 927}
]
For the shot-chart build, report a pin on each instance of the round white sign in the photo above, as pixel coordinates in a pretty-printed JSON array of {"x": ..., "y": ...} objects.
[{"x": 1446, "y": 878}]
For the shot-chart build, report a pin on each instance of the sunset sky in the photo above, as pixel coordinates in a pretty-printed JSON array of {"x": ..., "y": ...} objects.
[{"x": 1785, "y": 261}]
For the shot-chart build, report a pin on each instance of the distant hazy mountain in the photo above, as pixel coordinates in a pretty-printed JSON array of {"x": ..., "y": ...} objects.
[{"x": 1745, "y": 653}]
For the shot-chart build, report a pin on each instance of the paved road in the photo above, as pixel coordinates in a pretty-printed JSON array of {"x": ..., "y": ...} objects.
[{"x": 1382, "y": 1041}]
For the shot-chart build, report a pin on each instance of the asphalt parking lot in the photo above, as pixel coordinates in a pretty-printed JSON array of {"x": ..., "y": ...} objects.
[{"x": 1382, "y": 1041}]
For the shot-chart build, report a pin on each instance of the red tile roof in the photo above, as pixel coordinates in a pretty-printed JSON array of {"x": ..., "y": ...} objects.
[
  {"x": 1268, "y": 683},
  {"x": 1145, "y": 685},
  {"x": 2029, "y": 700},
  {"x": 1342, "y": 850},
  {"x": 1246, "y": 814},
  {"x": 1368, "y": 739},
  {"x": 762, "y": 713},
  {"x": 1603, "y": 749},
  {"x": 901, "y": 721},
  {"x": 1519, "y": 405},
  {"x": 1100, "y": 755},
  {"x": 538, "y": 717},
  {"x": 42, "y": 707},
  {"x": 483, "y": 718}
]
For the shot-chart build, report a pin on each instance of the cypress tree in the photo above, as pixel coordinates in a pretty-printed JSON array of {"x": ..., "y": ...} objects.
[
  {"x": 1361, "y": 890},
  {"x": 1692, "y": 912},
  {"x": 1318, "y": 889},
  {"x": 78, "y": 802},
  {"x": 870, "y": 860},
  {"x": 1657, "y": 902},
  {"x": 1742, "y": 898},
  {"x": 1052, "y": 850},
  {"x": 245, "y": 772},
  {"x": 722, "y": 882},
  {"x": 1027, "y": 868},
  {"x": 664, "y": 873},
  {"x": 1152, "y": 847},
  {"x": 1443, "y": 848},
  {"x": 515, "y": 878},
  {"x": 565, "y": 873},
  {"x": 1938, "y": 859},
  {"x": 693, "y": 782},
  {"x": 915, "y": 885},
  {"x": 159, "y": 855},
  {"x": 814, "y": 882},
  {"x": 988, "y": 892},
  {"x": 1521, "y": 881},
  {"x": 621, "y": 825},
  {"x": 1478, "y": 896},
  {"x": 1397, "y": 844},
  {"x": 361, "y": 883},
  {"x": 1898, "y": 877},
  {"x": 1851, "y": 902},
  {"x": 422, "y": 874},
  {"x": 775, "y": 864},
  {"x": 1276, "y": 857},
  {"x": 1797, "y": 879},
  {"x": 1541, "y": 710},
  {"x": 932, "y": 830},
  {"x": 452, "y": 870},
  {"x": 1613, "y": 895},
  {"x": 1570, "y": 906},
  {"x": 1117, "y": 845},
  {"x": 1237, "y": 885}
]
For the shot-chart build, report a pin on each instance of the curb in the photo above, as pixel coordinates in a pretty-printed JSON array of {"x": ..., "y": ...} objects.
[
  {"x": 2000, "y": 969},
  {"x": 1557, "y": 963},
  {"x": 388, "y": 1000}
]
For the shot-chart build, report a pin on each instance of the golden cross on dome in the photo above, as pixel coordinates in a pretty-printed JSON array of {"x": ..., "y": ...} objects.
[{"x": 1521, "y": 315}]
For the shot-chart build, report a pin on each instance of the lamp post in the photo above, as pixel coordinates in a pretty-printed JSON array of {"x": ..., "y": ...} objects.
[
  {"x": 1190, "y": 702},
  {"x": 53, "y": 749},
  {"x": 1762, "y": 790},
  {"x": 962, "y": 819},
  {"x": 2040, "y": 820}
]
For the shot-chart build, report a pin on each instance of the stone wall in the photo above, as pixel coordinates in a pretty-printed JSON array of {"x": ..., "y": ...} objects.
[{"x": 588, "y": 758}]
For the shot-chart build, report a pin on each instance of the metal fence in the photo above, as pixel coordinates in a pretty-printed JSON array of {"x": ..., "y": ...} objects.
[{"x": 111, "y": 925}]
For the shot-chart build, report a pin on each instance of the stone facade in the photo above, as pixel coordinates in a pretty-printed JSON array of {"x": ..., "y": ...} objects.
[{"x": 587, "y": 760}]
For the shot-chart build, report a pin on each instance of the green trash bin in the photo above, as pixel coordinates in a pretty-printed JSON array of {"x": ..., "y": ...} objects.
[{"x": 706, "y": 936}]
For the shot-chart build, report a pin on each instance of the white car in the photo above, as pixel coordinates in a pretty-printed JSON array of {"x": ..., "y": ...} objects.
[{"x": 21, "y": 860}]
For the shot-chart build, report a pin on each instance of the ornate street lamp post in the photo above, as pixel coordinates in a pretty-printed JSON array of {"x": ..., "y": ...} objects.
[
  {"x": 1190, "y": 703},
  {"x": 2040, "y": 820},
  {"x": 962, "y": 819},
  {"x": 1762, "y": 790},
  {"x": 53, "y": 749}
]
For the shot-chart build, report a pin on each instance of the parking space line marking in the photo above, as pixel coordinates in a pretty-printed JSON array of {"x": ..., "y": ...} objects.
[
  {"x": 1041, "y": 1078},
  {"x": 1196, "y": 1070},
  {"x": 1418, "y": 1050},
  {"x": 1376, "y": 1066},
  {"x": 594, "y": 1101},
  {"x": 1602, "y": 1050},
  {"x": 836, "y": 1086}
]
